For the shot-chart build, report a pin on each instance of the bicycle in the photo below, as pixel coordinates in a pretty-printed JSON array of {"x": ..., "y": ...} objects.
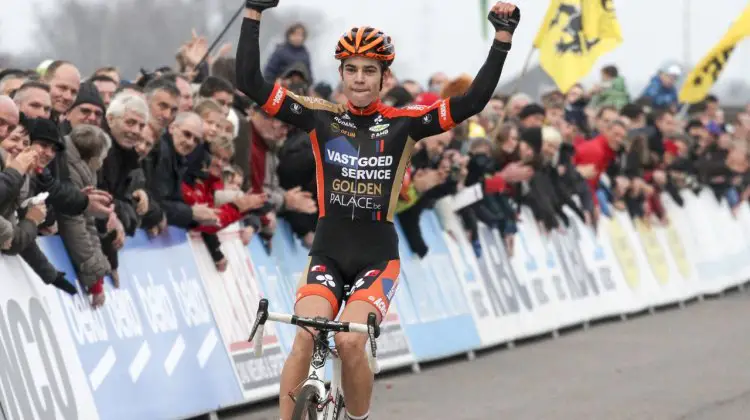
[{"x": 313, "y": 399}]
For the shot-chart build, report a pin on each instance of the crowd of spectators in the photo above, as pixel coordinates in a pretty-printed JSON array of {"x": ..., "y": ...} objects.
[{"x": 93, "y": 159}]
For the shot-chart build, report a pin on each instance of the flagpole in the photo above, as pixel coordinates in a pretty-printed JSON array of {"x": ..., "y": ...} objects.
[{"x": 523, "y": 70}]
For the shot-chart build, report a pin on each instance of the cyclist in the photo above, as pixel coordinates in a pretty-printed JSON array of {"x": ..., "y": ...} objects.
[{"x": 361, "y": 150}]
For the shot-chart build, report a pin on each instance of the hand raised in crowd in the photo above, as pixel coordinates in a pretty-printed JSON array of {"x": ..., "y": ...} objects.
[
  {"x": 25, "y": 161},
  {"x": 100, "y": 203},
  {"x": 587, "y": 171},
  {"x": 427, "y": 179},
  {"x": 300, "y": 201},
  {"x": 205, "y": 215},
  {"x": 141, "y": 200},
  {"x": 250, "y": 202},
  {"x": 660, "y": 177},
  {"x": 621, "y": 186},
  {"x": 516, "y": 172},
  {"x": 49, "y": 230},
  {"x": 37, "y": 213}
]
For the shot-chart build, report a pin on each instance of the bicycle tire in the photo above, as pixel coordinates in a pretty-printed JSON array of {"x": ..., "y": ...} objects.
[{"x": 306, "y": 404}]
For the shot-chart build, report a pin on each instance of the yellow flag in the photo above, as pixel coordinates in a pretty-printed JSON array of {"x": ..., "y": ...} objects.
[
  {"x": 704, "y": 75},
  {"x": 574, "y": 34}
]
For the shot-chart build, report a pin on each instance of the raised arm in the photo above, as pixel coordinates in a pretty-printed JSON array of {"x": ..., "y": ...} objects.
[
  {"x": 448, "y": 113},
  {"x": 275, "y": 100}
]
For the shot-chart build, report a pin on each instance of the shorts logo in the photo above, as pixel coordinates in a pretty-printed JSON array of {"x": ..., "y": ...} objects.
[
  {"x": 388, "y": 289},
  {"x": 379, "y": 127},
  {"x": 379, "y": 304},
  {"x": 427, "y": 119},
  {"x": 356, "y": 286},
  {"x": 318, "y": 269},
  {"x": 326, "y": 279},
  {"x": 296, "y": 108},
  {"x": 372, "y": 273}
]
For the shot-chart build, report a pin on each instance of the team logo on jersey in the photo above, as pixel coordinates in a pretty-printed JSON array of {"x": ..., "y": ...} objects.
[
  {"x": 344, "y": 122},
  {"x": 379, "y": 135},
  {"x": 340, "y": 152},
  {"x": 336, "y": 128},
  {"x": 296, "y": 108},
  {"x": 427, "y": 119},
  {"x": 415, "y": 107},
  {"x": 379, "y": 119},
  {"x": 379, "y": 127},
  {"x": 318, "y": 269}
]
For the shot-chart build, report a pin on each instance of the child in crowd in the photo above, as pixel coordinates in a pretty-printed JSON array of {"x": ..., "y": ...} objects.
[{"x": 232, "y": 180}]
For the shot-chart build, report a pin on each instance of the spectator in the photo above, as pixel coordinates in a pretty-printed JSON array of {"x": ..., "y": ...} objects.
[
  {"x": 592, "y": 158},
  {"x": 130, "y": 88},
  {"x": 184, "y": 87},
  {"x": 211, "y": 113},
  {"x": 661, "y": 91},
  {"x": 175, "y": 145},
  {"x": 515, "y": 104},
  {"x": 220, "y": 90},
  {"x": 296, "y": 74},
  {"x": 633, "y": 116},
  {"x": 86, "y": 147},
  {"x": 33, "y": 99},
  {"x": 575, "y": 108},
  {"x": 436, "y": 82},
  {"x": 163, "y": 99},
  {"x": 554, "y": 113},
  {"x": 322, "y": 90},
  {"x": 604, "y": 117},
  {"x": 127, "y": 117},
  {"x": 9, "y": 116},
  {"x": 88, "y": 108},
  {"x": 292, "y": 51},
  {"x": 611, "y": 91},
  {"x": 11, "y": 80},
  {"x": 531, "y": 116},
  {"x": 111, "y": 72},
  {"x": 64, "y": 80},
  {"x": 106, "y": 86},
  {"x": 412, "y": 87}
]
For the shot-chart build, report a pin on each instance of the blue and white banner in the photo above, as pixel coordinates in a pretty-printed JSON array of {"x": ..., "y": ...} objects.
[
  {"x": 427, "y": 310},
  {"x": 153, "y": 351}
]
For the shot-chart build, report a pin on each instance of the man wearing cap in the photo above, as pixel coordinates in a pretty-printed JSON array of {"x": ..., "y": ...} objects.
[
  {"x": 88, "y": 108},
  {"x": 531, "y": 116},
  {"x": 662, "y": 90}
]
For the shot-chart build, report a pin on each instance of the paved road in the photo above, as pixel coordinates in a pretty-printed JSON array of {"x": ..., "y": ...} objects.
[{"x": 689, "y": 364}]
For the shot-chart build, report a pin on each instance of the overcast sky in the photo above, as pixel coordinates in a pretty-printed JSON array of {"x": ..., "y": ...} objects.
[{"x": 652, "y": 31}]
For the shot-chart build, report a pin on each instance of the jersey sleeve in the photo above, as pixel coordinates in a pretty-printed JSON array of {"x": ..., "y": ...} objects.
[
  {"x": 296, "y": 110},
  {"x": 425, "y": 121},
  {"x": 447, "y": 113}
]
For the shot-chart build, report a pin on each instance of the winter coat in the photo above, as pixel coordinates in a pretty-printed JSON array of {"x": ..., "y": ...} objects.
[
  {"x": 285, "y": 56},
  {"x": 79, "y": 233}
]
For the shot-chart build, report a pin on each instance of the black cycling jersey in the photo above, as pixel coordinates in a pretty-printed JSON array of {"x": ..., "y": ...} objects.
[{"x": 360, "y": 154}]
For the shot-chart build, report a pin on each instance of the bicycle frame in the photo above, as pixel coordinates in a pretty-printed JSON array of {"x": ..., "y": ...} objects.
[{"x": 329, "y": 401}]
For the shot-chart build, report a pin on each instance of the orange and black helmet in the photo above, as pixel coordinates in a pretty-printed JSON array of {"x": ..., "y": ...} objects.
[{"x": 367, "y": 42}]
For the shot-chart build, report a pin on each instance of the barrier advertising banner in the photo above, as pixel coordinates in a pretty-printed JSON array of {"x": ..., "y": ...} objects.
[
  {"x": 41, "y": 376},
  {"x": 423, "y": 295},
  {"x": 153, "y": 351},
  {"x": 234, "y": 296}
]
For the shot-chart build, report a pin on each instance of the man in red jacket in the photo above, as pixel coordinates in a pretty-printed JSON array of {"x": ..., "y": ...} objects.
[{"x": 593, "y": 157}]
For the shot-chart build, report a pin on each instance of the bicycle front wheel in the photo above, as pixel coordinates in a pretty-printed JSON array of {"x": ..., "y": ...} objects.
[{"x": 306, "y": 407}]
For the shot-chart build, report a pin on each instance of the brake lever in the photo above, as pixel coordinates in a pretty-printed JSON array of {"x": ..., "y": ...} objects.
[
  {"x": 373, "y": 331},
  {"x": 260, "y": 318}
]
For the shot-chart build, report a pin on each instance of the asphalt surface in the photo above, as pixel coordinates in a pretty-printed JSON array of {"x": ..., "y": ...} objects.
[{"x": 687, "y": 364}]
